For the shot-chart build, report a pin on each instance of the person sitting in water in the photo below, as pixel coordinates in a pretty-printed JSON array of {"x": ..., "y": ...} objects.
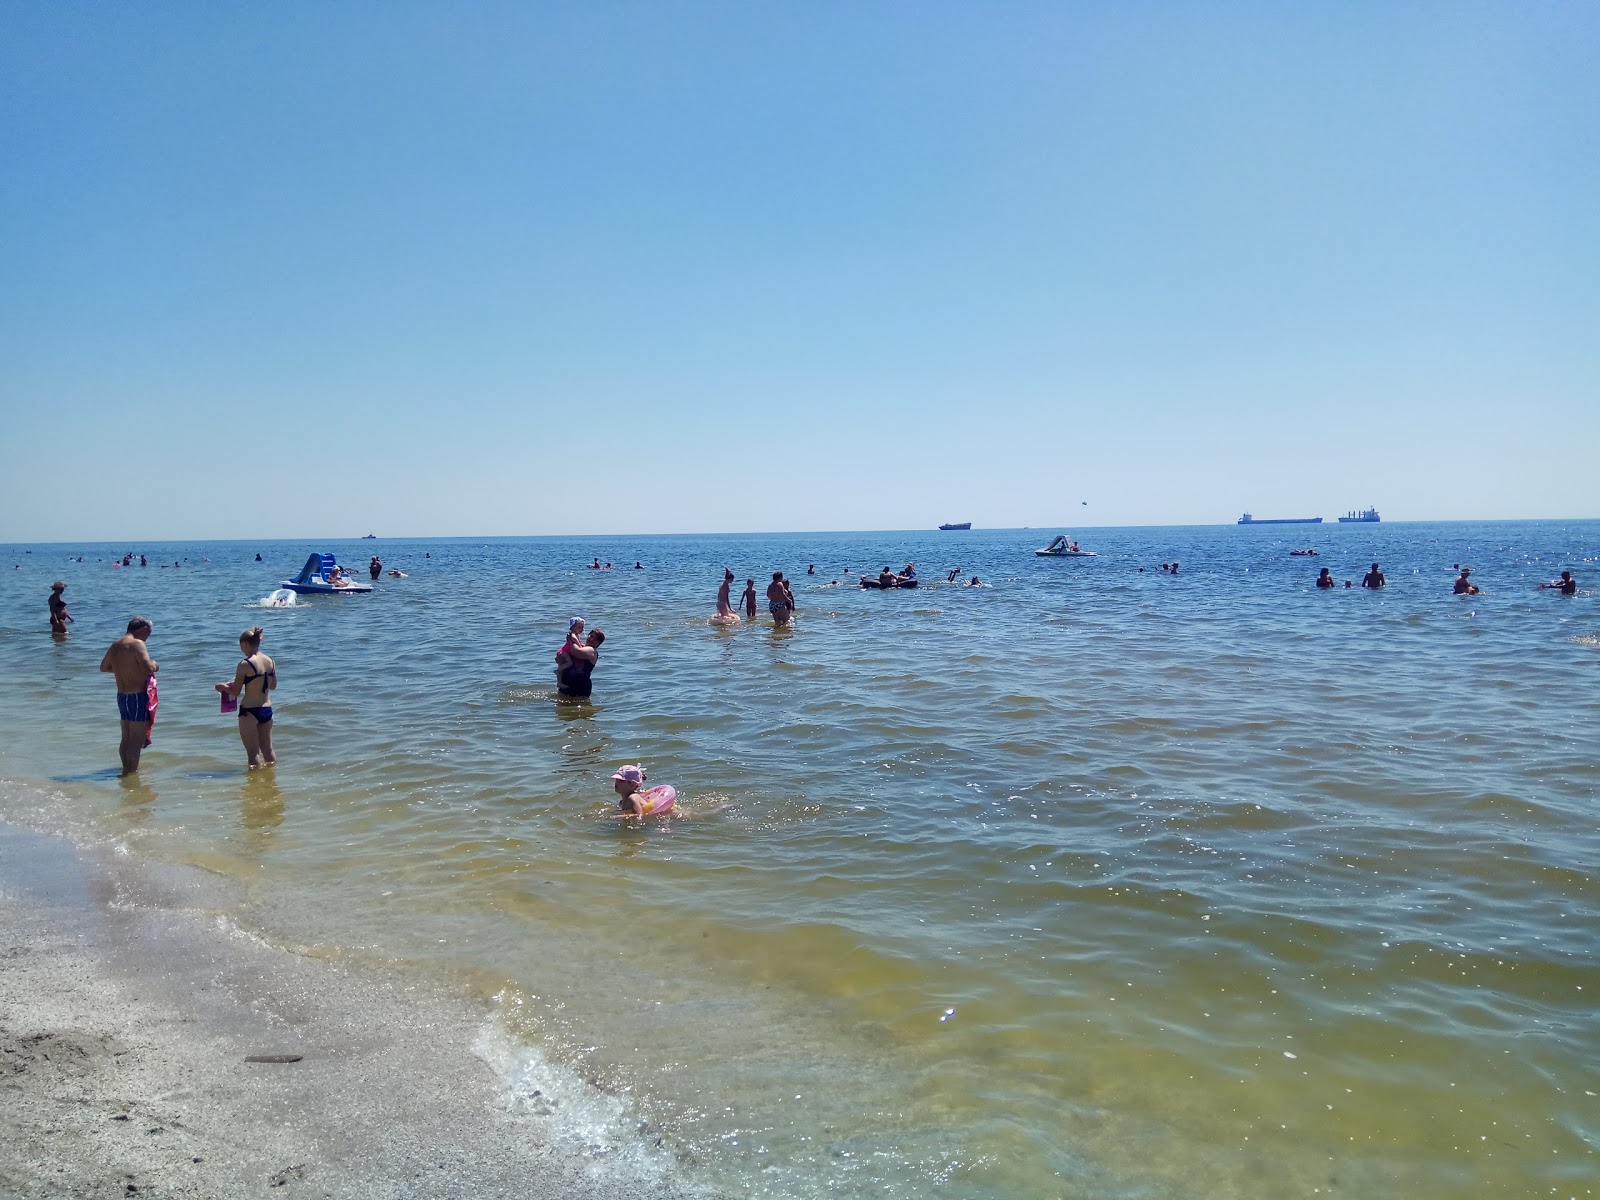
[
  {"x": 574, "y": 667},
  {"x": 910, "y": 572},
  {"x": 887, "y": 578},
  {"x": 1374, "y": 579},
  {"x": 1464, "y": 586},
  {"x": 634, "y": 800},
  {"x": 595, "y": 565},
  {"x": 1325, "y": 578},
  {"x": 1566, "y": 585},
  {"x": 336, "y": 577}
]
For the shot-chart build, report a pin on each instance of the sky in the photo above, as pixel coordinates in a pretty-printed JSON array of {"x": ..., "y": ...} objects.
[{"x": 428, "y": 269}]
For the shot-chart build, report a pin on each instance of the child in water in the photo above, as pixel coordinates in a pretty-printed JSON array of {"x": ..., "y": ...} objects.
[
  {"x": 636, "y": 803},
  {"x": 574, "y": 638},
  {"x": 749, "y": 599}
]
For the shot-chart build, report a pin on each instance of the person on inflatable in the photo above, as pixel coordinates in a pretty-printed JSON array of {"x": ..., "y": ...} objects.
[{"x": 641, "y": 803}]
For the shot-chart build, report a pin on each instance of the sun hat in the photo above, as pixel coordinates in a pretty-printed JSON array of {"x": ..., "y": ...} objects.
[{"x": 631, "y": 773}]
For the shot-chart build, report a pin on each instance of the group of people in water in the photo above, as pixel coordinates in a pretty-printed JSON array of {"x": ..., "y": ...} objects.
[
  {"x": 780, "y": 599},
  {"x": 1463, "y": 585},
  {"x": 249, "y": 693},
  {"x": 129, "y": 661}
]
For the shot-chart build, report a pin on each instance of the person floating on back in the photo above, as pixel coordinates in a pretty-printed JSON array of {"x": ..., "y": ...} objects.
[
  {"x": 129, "y": 662},
  {"x": 1566, "y": 585}
]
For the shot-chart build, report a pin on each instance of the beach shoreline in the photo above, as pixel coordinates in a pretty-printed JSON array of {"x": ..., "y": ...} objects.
[{"x": 129, "y": 1005}]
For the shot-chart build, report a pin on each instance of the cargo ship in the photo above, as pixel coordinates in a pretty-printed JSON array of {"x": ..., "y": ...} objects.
[
  {"x": 958, "y": 525},
  {"x": 1366, "y": 514},
  {"x": 1247, "y": 519}
]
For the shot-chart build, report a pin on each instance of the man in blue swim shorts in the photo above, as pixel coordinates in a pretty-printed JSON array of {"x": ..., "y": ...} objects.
[{"x": 130, "y": 662}]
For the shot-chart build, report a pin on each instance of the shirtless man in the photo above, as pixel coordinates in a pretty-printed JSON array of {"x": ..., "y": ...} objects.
[
  {"x": 58, "y": 609},
  {"x": 1464, "y": 586},
  {"x": 1566, "y": 585},
  {"x": 724, "y": 601},
  {"x": 749, "y": 599},
  {"x": 130, "y": 662},
  {"x": 1374, "y": 579},
  {"x": 780, "y": 601}
]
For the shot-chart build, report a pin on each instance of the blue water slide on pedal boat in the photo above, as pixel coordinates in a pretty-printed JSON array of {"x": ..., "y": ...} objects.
[
  {"x": 1060, "y": 547},
  {"x": 314, "y": 576}
]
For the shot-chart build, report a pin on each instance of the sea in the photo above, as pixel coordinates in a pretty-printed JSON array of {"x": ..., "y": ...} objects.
[{"x": 1094, "y": 881}]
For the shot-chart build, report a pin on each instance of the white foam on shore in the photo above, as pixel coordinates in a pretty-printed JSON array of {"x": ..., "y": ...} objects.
[{"x": 572, "y": 1114}]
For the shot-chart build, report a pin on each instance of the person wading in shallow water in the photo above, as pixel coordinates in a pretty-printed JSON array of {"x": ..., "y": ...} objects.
[
  {"x": 129, "y": 661},
  {"x": 574, "y": 666},
  {"x": 253, "y": 681},
  {"x": 780, "y": 600},
  {"x": 58, "y": 609}
]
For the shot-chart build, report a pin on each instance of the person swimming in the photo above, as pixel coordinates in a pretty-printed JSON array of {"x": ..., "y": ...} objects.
[{"x": 634, "y": 800}]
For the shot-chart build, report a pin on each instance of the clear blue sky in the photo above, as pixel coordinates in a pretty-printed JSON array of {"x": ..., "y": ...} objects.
[{"x": 318, "y": 269}]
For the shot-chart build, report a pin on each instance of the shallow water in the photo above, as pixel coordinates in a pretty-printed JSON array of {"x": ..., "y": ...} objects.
[{"x": 1090, "y": 883}]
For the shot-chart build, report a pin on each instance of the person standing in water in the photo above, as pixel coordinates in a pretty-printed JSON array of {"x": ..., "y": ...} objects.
[
  {"x": 724, "y": 601},
  {"x": 375, "y": 567},
  {"x": 1325, "y": 578},
  {"x": 253, "y": 681},
  {"x": 1374, "y": 579},
  {"x": 129, "y": 662},
  {"x": 574, "y": 667},
  {"x": 58, "y": 609},
  {"x": 749, "y": 599},
  {"x": 1566, "y": 585},
  {"x": 780, "y": 601}
]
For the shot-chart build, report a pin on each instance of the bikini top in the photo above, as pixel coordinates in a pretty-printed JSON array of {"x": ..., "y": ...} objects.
[{"x": 255, "y": 674}]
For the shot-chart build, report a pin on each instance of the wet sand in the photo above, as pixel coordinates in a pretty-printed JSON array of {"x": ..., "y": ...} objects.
[{"x": 128, "y": 1009}]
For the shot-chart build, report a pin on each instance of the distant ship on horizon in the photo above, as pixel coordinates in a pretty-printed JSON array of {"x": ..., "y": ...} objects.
[
  {"x": 1365, "y": 515},
  {"x": 1247, "y": 519},
  {"x": 958, "y": 525}
]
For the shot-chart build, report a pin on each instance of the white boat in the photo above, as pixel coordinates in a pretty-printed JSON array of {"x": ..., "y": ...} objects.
[
  {"x": 313, "y": 579},
  {"x": 1060, "y": 547}
]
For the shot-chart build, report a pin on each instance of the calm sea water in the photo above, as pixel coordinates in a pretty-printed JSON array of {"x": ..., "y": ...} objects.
[{"x": 1090, "y": 883}]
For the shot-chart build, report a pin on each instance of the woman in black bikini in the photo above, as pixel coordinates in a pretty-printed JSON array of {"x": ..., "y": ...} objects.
[{"x": 253, "y": 681}]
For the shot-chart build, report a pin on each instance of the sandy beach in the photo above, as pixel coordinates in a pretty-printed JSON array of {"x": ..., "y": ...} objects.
[{"x": 128, "y": 1011}]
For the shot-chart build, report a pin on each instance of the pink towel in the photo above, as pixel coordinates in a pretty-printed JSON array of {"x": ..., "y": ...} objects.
[{"x": 150, "y": 697}]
